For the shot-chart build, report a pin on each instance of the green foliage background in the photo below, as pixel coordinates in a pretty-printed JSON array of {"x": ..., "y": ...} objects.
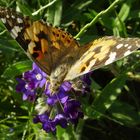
[{"x": 112, "y": 110}]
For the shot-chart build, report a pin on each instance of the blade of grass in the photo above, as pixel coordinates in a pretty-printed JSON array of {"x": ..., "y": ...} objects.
[{"x": 84, "y": 29}]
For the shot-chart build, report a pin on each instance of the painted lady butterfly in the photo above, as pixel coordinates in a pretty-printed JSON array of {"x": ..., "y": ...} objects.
[{"x": 58, "y": 54}]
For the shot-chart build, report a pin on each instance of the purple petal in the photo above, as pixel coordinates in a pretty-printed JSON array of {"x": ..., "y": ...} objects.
[{"x": 61, "y": 120}]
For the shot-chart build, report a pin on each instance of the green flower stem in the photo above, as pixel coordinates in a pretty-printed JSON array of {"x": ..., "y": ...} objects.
[
  {"x": 42, "y": 8},
  {"x": 84, "y": 29}
]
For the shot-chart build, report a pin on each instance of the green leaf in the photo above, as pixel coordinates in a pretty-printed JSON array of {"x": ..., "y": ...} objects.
[
  {"x": 124, "y": 113},
  {"x": 17, "y": 69},
  {"x": 119, "y": 25},
  {"x": 54, "y": 13},
  {"x": 109, "y": 94},
  {"x": 8, "y": 45},
  {"x": 26, "y": 9},
  {"x": 125, "y": 9},
  {"x": 134, "y": 14},
  {"x": 65, "y": 134}
]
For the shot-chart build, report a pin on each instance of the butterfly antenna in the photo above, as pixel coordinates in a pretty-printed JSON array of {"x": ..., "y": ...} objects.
[{"x": 60, "y": 102}]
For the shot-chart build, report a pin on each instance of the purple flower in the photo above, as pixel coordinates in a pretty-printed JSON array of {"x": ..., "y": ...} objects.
[
  {"x": 47, "y": 124},
  {"x": 61, "y": 120},
  {"x": 86, "y": 82},
  {"x": 61, "y": 96},
  {"x": 26, "y": 89},
  {"x": 87, "y": 78},
  {"x": 57, "y": 109},
  {"x": 36, "y": 76},
  {"x": 30, "y": 81},
  {"x": 72, "y": 110},
  {"x": 21, "y": 85}
]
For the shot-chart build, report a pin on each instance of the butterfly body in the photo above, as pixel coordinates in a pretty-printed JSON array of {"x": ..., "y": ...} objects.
[
  {"x": 58, "y": 54},
  {"x": 57, "y": 76}
]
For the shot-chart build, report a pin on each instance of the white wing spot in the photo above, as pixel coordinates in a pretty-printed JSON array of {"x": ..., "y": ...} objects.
[
  {"x": 126, "y": 45},
  {"x": 19, "y": 20},
  {"x": 127, "y": 53},
  {"x": 15, "y": 31},
  {"x": 129, "y": 47},
  {"x": 13, "y": 35},
  {"x": 13, "y": 16},
  {"x": 7, "y": 16},
  {"x": 18, "y": 29},
  {"x": 3, "y": 20},
  {"x": 119, "y": 46},
  {"x": 112, "y": 57}
]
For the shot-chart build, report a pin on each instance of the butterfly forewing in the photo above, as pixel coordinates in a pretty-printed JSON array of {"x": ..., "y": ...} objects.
[
  {"x": 44, "y": 44},
  {"x": 101, "y": 52}
]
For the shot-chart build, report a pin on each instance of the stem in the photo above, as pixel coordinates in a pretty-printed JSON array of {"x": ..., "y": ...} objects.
[
  {"x": 42, "y": 8},
  {"x": 84, "y": 29}
]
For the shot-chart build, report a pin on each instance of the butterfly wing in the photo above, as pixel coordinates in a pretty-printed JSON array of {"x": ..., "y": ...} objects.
[
  {"x": 44, "y": 44},
  {"x": 47, "y": 45},
  {"x": 102, "y": 52}
]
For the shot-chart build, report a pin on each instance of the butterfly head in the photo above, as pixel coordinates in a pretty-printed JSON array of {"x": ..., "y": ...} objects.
[{"x": 54, "y": 86}]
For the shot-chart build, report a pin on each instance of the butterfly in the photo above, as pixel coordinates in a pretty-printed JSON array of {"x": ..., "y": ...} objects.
[{"x": 58, "y": 54}]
